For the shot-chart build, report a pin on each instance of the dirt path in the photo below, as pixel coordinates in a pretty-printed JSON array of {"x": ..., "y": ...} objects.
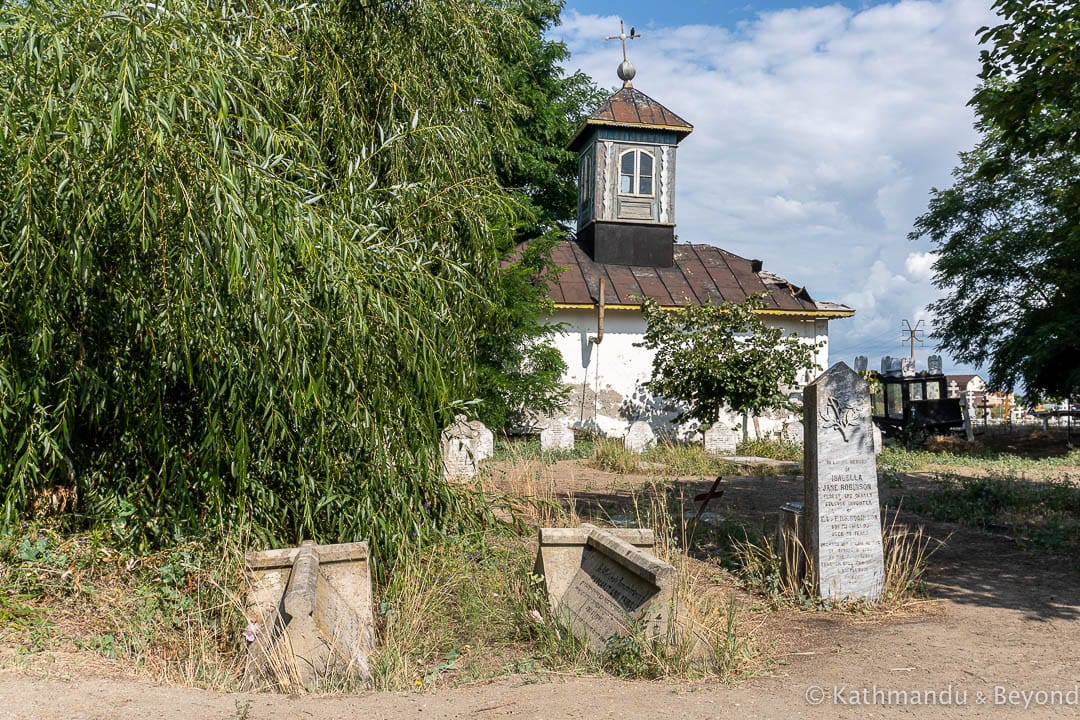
[{"x": 1000, "y": 639}]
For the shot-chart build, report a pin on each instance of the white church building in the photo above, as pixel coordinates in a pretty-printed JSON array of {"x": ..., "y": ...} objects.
[{"x": 625, "y": 250}]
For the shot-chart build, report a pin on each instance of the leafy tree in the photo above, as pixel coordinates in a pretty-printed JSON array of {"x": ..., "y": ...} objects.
[
  {"x": 246, "y": 248},
  {"x": 1009, "y": 274},
  {"x": 1008, "y": 230},
  {"x": 710, "y": 357},
  {"x": 519, "y": 372}
]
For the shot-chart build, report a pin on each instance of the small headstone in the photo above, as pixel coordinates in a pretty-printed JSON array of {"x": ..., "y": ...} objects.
[
  {"x": 933, "y": 364},
  {"x": 310, "y": 615},
  {"x": 879, "y": 439},
  {"x": 794, "y": 432},
  {"x": 721, "y": 440},
  {"x": 861, "y": 363},
  {"x": 843, "y": 513},
  {"x": 907, "y": 367},
  {"x": 640, "y": 437},
  {"x": 601, "y": 582},
  {"x": 464, "y": 445},
  {"x": 556, "y": 436},
  {"x": 886, "y": 364}
]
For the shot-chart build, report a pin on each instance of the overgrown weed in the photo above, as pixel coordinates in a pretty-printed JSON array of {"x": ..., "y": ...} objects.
[
  {"x": 1043, "y": 515},
  {"x": 784, "y": 576}
]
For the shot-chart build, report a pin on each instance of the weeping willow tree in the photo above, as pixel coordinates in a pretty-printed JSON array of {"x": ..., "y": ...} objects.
[{"x": 244, "y": 250}]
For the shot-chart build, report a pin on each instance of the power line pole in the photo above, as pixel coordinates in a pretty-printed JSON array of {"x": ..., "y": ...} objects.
[{"x": 912, "y": 334}]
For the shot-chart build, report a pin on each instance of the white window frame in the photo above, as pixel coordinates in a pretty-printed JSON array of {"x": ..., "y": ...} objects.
[{"x": 635, "y": 179}]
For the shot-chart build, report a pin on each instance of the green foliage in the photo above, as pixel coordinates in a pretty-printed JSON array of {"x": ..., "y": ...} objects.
[
  {"x": 1043, "y": 515},
  {"x": 1008, "y": 231},
  {"x": 517, "y": 372},
  {"x": 246, "y": 249},
  {"x": 777, "y": 449},
  {"x": 710, "y": 357}
]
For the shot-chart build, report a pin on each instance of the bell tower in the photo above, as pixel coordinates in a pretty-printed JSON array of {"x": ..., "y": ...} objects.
[{"x": 626, "y": 175}]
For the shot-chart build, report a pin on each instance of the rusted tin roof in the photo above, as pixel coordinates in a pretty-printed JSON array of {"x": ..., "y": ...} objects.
[
  {"x": 701, "y": 274},
  {"x": 632, "y": 108}
]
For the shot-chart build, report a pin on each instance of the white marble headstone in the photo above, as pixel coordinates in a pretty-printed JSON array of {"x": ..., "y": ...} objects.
[
  {"x": 640, "y": 437},
  {"x": 721, "y": 440},
  {"x": 464, "y": 445},
  {"x": 843, "y": 514},
  {"x": 556, "y": 436}
]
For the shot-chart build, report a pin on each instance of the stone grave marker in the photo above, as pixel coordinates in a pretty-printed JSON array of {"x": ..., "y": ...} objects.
[
  {"x": 879, "y": 439},
  {"x": 886, "y": 364},
  {"x": 907, "y": 367},
  {"x": 933, "y": 364},
  {"x": 861, "y": 363},
  {"x": 556, "y": 436},
  {"x": 464, "y": 445},
  {"x": 843, "y": 514},
  {"x": 721, "y": 440},
  {"x": 602, "y": 581},
  {"x": 639, "y": 437},
  {"x": 794, "y": 431},
  {"x": 310, "y": 614}
]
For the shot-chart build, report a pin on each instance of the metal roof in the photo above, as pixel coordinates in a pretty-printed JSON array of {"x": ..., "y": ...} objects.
[
  {"x": 701, "y": 274},
  {"x": 632, "y": 108}
]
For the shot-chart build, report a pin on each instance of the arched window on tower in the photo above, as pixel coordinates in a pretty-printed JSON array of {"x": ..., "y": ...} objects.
[{"x": 636, "y": 173}]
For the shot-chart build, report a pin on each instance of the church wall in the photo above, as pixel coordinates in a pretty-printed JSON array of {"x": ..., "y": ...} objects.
[{"x": 607, "y": 379}]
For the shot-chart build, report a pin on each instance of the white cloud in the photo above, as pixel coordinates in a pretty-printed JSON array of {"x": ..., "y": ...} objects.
[
  {"x": 818, "y": 135},
  {"x": 920, "y": 265}
]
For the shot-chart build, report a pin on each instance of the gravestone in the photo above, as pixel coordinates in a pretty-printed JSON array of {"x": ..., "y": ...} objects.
[
  {"x": 861, "y": 363},
  {"x": 843, "y": 513},
  {"x": 721, "y": 440},
  {"x": 886, "y": 364},
  {"x": 600, "y": 582},
  {"x": 639, "y": 437},
  {"x": 794, "y": 432},
  {"x": 933, "y": 364},
  {"x": 464, "y": 445},
  {"x": 907, "y": 366},
  {"x": 556, "y": 436},
  {"x": 309, "y": 615},
  {"x": 879, "y": 439}
]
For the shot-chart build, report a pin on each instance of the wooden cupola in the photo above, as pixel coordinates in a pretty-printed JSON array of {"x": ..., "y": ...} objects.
[{"x": 626, "y": 177}]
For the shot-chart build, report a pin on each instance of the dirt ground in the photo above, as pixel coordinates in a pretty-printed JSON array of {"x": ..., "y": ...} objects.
[{"x": 998, "y": 637}]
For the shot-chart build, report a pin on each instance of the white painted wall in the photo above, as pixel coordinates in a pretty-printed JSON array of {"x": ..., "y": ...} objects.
[{"x": 607, "y": 378}]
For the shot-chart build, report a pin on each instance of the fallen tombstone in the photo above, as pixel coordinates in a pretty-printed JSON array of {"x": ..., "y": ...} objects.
[
  {"x": 310, "y": 616},
  {"x": 603, "y": 583}
]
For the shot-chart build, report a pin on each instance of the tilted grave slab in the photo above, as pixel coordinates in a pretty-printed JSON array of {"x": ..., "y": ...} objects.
[
  {"x": 310, "y": 613},
  {"x": 603, "y": 583}
]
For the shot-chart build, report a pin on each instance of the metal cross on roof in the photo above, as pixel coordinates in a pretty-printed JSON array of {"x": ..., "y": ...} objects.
[
  {"x": 623, "y": 37},
  {"x": 626, "y": 68}
]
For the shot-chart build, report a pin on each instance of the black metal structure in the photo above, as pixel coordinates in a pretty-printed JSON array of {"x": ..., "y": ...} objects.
[{"x": 916, "y": 402}]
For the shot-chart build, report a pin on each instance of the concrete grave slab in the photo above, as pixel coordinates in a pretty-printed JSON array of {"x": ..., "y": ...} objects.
[
  {"x": 602, "y": 582},
  {"x": 310, "y": 615}
]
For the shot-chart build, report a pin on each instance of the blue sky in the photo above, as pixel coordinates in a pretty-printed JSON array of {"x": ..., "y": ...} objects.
[
  {"x": 819, "y": 132},
  {"x": 647, "y": 14}
]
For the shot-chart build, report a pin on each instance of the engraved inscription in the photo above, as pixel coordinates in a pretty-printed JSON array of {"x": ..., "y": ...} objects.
[{"x": 604, "y": 596}]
